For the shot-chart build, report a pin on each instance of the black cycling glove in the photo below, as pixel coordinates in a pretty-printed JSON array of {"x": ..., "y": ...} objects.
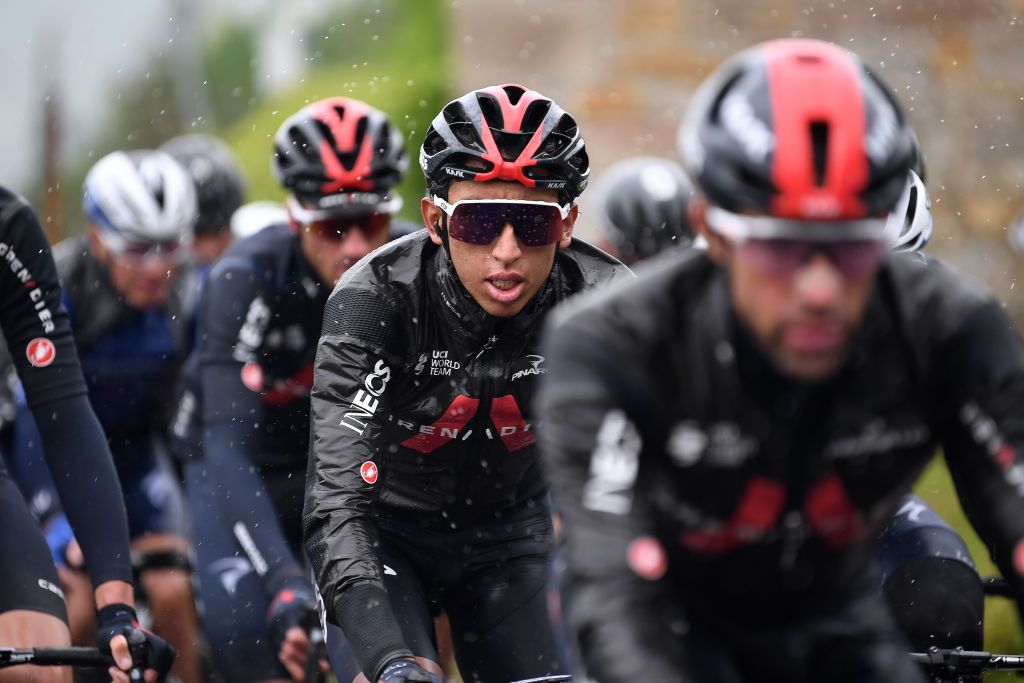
[
  {"x": 148, "y": 650},
  {"x": 402, "y": 670}
]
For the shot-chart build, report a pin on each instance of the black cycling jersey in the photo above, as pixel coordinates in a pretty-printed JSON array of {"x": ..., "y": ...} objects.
[
  {"x": 698, "y": 483},
  {"x": 35, "y": 326},
  {"x": 421, "y": 416}
]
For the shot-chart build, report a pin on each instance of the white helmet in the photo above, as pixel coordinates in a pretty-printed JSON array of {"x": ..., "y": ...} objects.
[
  {"x": 910, "y": 223},
  {"x": 141, "y": 197}
]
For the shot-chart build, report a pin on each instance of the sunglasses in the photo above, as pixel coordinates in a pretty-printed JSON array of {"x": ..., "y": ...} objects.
[
  {"x": 852, "y": 258},
  {"x": 480, "y": 221},
  {"x": 335, "y": 226},
  {"x": 139, "y": 254}
]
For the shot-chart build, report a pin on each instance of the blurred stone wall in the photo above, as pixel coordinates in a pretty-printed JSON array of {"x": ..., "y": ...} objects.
[{"x": 626, "y": 68}]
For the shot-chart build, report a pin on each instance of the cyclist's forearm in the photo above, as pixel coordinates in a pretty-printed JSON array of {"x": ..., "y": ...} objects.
[
  {"x": 114, "y": 593},
  {"x": 229, "y": 451},
  {"x": 90, "y": 491}
]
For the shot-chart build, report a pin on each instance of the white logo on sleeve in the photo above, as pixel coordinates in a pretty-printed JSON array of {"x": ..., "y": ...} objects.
[
  {"x": 613, "y": 466},
  {"x": 231, "y": 570}
]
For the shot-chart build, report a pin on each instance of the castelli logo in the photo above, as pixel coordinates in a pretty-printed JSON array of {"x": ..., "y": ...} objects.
[
  {"x": 368, "y": 471},
  {"x": 252, "y": 376},
  {"x": 40, "y": 352},
  {"x": 646, "y": 558}
]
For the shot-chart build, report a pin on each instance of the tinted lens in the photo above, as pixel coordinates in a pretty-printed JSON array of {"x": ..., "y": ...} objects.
[
  {"x": 853, "y": 258},
  {"x": 336, "y": 229},
  {"x": 140, "y": 252},
  {"x": 535, "y": 225}
]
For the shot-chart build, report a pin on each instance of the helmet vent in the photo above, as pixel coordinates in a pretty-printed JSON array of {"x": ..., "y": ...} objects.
[
  {"x": 491, "y": 111},
  {"x": 819, "y": 146},
  {"x": 514, "y": 93},
  {"x": 535, "y": 114}
]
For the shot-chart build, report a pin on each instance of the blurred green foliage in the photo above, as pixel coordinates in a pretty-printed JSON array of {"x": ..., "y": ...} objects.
[
  {"x": 228, "y": 61},
  {"x": 397, "y": 62},
  {"x": 1002, "y": 627}
]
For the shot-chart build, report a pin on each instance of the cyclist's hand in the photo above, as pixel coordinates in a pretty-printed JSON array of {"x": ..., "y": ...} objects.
[
  {"x": 292, "y": 612},
  {"x": 402, "y": 670},
  {"x": 119, "y": 635}
]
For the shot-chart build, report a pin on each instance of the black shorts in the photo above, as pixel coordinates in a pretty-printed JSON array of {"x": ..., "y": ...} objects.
[
  {"x": 491, "y": 580},
  {"x": 28, "y": 579}
]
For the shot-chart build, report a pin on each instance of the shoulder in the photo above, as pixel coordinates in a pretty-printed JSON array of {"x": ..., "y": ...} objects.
[
  {"x": 932, "y": 296},
  {"x": 392, "y": 268},
  {"x": 373, "y": 303},
  {"x": 255, "y": 253},
  {"x": 585, "y": 266},
  {"x": 640, "y": 305}
]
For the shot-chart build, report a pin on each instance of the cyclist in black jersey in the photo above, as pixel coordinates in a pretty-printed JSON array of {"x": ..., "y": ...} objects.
[
  {"x": 35, "y": 327},
  {"x": 424, "y": 492},
  {"x": 736, "y": 427},
  {"x": 243, "y": 413}
]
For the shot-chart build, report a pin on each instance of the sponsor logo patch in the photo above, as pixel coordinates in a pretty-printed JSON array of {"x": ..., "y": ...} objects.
[
  {"x": 647, "y": 558},
  {"x": 252, "y": 376},
  {"x": 368, "y": 471},
  {"x": 40, "y": 352}
]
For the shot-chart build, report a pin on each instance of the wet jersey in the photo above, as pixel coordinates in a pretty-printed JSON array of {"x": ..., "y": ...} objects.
[
  {"x": 691, "y": 474},
  {"x": 422, "y": 406}
]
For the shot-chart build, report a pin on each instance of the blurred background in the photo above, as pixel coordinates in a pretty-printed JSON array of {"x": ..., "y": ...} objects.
[{"x": 83, "y": 79}]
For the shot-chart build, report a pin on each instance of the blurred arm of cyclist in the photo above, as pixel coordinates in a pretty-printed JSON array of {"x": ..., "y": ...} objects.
[
  {"x": 622, "y": 609},
  {"x": 233, "y": 319},
  {"x": 979, "y": 371},
  {"x": 350, "y": 401},
  {"x": 39, "y": 336}
]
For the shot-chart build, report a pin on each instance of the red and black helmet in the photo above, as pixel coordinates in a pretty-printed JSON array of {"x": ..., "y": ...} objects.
[
  {"x": 338, "y": 145},
  {"x": 505, "y": 132},
  {"x": 798, "y": 129}
]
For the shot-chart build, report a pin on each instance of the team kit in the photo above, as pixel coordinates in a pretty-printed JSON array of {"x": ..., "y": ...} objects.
[{"x": 272, "y": 442}]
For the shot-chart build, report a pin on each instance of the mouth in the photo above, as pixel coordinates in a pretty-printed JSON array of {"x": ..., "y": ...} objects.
[
  {"x": 505, "y": 287},
  {"x": 815, "y": 337}
]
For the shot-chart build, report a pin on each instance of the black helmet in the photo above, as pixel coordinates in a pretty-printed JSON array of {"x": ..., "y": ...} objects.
[
  {"x": 219, "y": 186},
  {"x": 643, "y": 204},
  {"x": 505, "y": 132},
  {"x": 339, "y": 146},
  {"x": 799, "y": 129}
]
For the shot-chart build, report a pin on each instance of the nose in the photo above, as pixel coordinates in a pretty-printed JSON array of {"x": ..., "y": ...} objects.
[
  {"x": 818, "y": 284},
  {"x": 355, "y": 245},
  {"x": 505, "y": 248}
]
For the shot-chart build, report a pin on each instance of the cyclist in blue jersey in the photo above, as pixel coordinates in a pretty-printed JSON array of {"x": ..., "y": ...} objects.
[
  {"x": 131, "y": 331},
  {"x": 35, "y": 327}
]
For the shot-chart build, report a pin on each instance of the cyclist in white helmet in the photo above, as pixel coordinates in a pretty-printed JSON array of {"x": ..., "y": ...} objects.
[{"x": 131, "y": 331}]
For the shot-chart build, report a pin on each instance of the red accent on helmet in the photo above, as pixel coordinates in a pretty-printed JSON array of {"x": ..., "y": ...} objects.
[
  {"x": 814, "y": 83},
  {"x": 512, "y": 115},
  {"x": 344, "y": 131}
]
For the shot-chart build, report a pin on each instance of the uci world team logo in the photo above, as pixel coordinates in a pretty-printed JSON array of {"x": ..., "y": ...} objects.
[{"x": 40, "y": 352}]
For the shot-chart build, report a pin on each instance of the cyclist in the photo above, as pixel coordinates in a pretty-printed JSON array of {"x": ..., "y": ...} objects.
[
  {"x": 220, "y": 190},
  {"x": 735, "y": 428},
  {"x": 424, "y": 492},
  {"x": 36, "y": 329},
  {"x": 642, "y": 205},
  {"x": 246, "y": 412},
  {"x": 131, "y": 331}
]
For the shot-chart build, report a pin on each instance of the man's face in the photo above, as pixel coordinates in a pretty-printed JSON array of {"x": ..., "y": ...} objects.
[
  {"x": 332, "y": 251},
  {"x": 803, "y": 316},
  {"x": 503, "y": 276},
  {"x": 145, "y": 281}
]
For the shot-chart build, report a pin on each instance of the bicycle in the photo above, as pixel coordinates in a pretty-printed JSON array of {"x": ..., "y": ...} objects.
[{"x": 89, "y": 657}]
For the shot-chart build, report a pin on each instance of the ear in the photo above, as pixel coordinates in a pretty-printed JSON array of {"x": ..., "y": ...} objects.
[
  {"x": 719, "y": 249},
  {"x": 570, "y": 222},
  {"x": 431, "y": 217}
]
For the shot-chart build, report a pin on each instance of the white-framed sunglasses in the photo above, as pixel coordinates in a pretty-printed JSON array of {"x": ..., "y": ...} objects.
[{"x": 480, "y": 221}]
